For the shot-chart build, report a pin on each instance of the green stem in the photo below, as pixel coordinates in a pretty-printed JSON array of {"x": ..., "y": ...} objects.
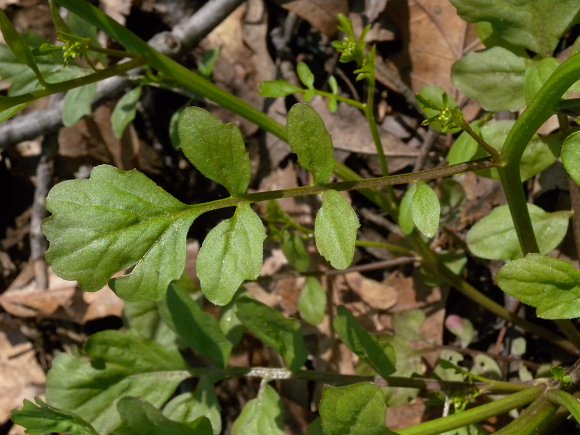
[
  {"x": 475, "y": 415},
  {"x": 349, "y": 101},
  {"x": 54, "y": 88},
  {"x": 536, "y": 419},
  {"x": 544, "y": 104},
  {"x": 396, "y": 249},
  {"x": 566, "y": 400},
  {"x": 495, "y": 155}
]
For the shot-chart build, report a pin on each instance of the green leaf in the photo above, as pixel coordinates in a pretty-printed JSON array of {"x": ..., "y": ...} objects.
[
  {"x": 140, "y": 417},
  {"x": 550, "y": 285},
  {"x": 465, "y": 148},
  {"x": 311, "y": 142},
  {"x": 230, "y": 323},
  {"x": 312, "y": 302},
  {"x": 494, "y": 78},
  {"x": 197, "y": 329},
  {"x": 357, "y": 409},
  {"x": 120, "y": 365},
  {"x": 494, "y": 237},
  {"x": 18, "y": 46},
  {"x": 295, "y": 251},
  {"x": 335, "y": 230},
  {"x": 536, "y": 25},
  {"x": 125, "y": 111},
  {"x": 536, "y": 75},
  {"x": 540, "y": 153},
  {"x": 278, "y": 88},
  {"x": 78, "y": 103},
  {"x": 231, "y": 253},
  {"x": 262, "y": 415},
  {"x": 364, "y": 345},
  {"x": 406, "y": 222},
  {"x": 143, "y": 318},
  {"x": 208, "y": 62},
  {"x": 425, "y": 210},
  {"x": 273, "y": 329},
  {"x": 571, "y": 156},
  {"x": 40, "y": 418},
  {"x": 216, "y": 149},
  {"x": 12, "y": 111},
  {"x": 202, "y": 402},
  {"x": 305, "y": 75},
  {"x": 112, "y": 221}
]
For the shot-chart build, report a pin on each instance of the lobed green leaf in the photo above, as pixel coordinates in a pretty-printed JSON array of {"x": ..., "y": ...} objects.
[
  {"x": 494, "y": 237},
  {"x": 273, "y": 329},
  {"x": 231, "y": 253},
  {"x": 311, "y": 142},
  {"x": 571, "y": 156},
  {"x": 364, "y": 345},
  {"x": 262, "y": 415},
  {"x": 119, "y": 365},
  {"x": 550, "y": 285},
  {"x": 140, "y": 417},
  {"x": 216, "y": 149},
  {"x": 112, "y": 221},
  {"x": 40, "y": 418},
  {"x": 335, "y": 229},
  {"x": 355, "y": 409}
]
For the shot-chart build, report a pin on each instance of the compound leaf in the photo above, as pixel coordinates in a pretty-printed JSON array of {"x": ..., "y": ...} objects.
[
  {"x": 216, "y": 149},
  {"x": 425, "y": 210},
  {"x": 197, "y": 329},
  {"x": 494, "y": 237},
  {"x": 273, "y": 329},
  {"x": 262, "y": 415},
  {"x": 335, "y": 229},
  {"x": 118, "y": 364},
  {"x": 40, "y": 418},
  {"x": 536, "y": 25},
  {"x": 355, "y": 409},
  {"x": 571, "y": 156},
  {"x": 311, "y": 142},
  {"x": 494, "y": 78},
  {"x": 550, "y": 285},
  {"x": 231, "y": 253},
  {"x": 112, "y": 221},
  {"x": 364, "y": 345},
  {"x": 140, "y": 417}
]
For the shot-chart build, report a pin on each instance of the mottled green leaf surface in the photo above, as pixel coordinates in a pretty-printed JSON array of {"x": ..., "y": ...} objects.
[
  {"x": 550, "y": 285},
  {"x": 311, "y": 142},
  {"x": 39, "y": 419},
  {"x": 231, "y": 253},
  {"x": 140, "y": 417},
  {"x": 425, "y": 210},
  {"x": 262, "y": 415},
  {"x": 112, "y": 221},
  {"x": 494, "y": 78},
  {"x": 357, "y": 409},
  {"x": 216, "y": 149},
  {"x": 364, "y": 345},
  {"x": 494, "y": 237},
  {"x": 273, "y": 329},
  {"x": 534, "y": 24},
  {"x": 335, "y": 230},
  {"x": 117, "y": 365}
]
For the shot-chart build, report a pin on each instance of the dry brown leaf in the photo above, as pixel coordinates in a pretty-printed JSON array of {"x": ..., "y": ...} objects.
[
  {"x": 378, "y": 295},
  {"x": 116, "y": 9},
  {"x": 21, "y": 377},
  {"x": 62, "y": 300},
  {"x": 434, "y": 37},
  {"x": 321, "y": 14}
]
